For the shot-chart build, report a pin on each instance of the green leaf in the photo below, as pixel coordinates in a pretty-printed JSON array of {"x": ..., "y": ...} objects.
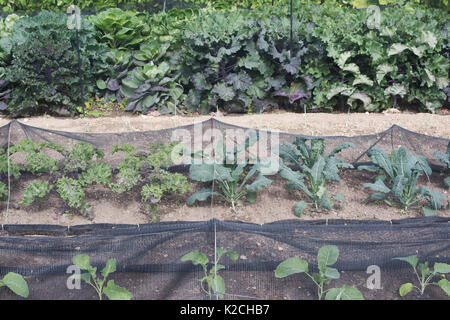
[
  {"x": 382, "y": 70},
  {"x": 82, "y": 261},
  {"x": 260, "y": 183},
  {"x": 202, "y": 172},
  {"x": 196, "y": 258},
  {"x": 405, "y": 289},
  {"x": 445, "y": 285},
  {"x": 377, "y": 186},
  {"x": 109, "y": 268},
  {"x": 327, "y": 256},
  {"x": 412, "y": 260},
  {"x": 428, "y": 212},
  {"x": 200, "y": 195},
  {"x": 317, "y": 170},
  {"x": 291, "y": 266},
  {"x": 299, "y": 208},
  {"x": 251, "y": 196},
  {"x": 115, "y": 292},
  {"x": 16, "y": 283},
  {"x": 101, "y": 84},
  {"x": 395, "y": 89},
  {"x": 344, "y": 293},
  {"x": 442, "y": 268},
  {"x": 397, "y": 48},
  {"x": 218, "y": 285},
  {"x": 331, "y": 273}
]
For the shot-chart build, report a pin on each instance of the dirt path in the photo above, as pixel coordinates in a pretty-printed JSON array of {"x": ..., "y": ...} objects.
[{"x": 316, "y": 124}]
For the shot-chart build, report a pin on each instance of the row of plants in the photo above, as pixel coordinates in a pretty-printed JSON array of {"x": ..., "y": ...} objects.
[
  {"x": 35, "y": 5},
  {"x": 198, "y": 60},
  {"x": 304, "y": 166},
  {"x": 213, "y": 285}
]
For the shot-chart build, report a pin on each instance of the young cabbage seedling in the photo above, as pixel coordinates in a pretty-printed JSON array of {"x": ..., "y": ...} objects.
[
  {"x": 425, "y": 276},
  {"x": 112, "y": 291},
  {"x": 326, "y": 257},
  {"x": 16, "y": 283},
  {"x": 213, "y": 281}
]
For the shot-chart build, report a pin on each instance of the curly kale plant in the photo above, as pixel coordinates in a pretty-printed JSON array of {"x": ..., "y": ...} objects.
[
  {"x": 149, "y": 171},
  {"x": 311, "y": 163},
  {"x": 43, "y": 73},
  {"x": 399, "y": 176},
  {"x": 236, "y": 177},
  {"x": 326, "y": 257},
  {"x": 80, "y": 168},
  {"x": 444, "y": 158}
]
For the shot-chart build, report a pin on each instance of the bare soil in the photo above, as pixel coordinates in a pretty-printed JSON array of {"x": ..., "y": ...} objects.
[{"x": 273, "y": 203}]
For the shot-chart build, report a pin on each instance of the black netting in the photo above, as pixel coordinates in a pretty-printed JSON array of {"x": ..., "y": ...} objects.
[{"x": 148, "y": 255}]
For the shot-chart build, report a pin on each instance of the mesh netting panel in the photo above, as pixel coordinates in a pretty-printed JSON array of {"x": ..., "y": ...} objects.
[{"x": 148, "y": 256}]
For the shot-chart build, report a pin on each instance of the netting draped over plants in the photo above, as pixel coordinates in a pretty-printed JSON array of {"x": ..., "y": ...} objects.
[{"x": 149, "y": 255}]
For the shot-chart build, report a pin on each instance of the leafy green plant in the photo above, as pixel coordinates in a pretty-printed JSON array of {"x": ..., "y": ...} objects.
[
  {"x": 153, "y": 86},
  {"x": 231, "y": 173},
  {"x": 326, "y": 257},
  {"x": 379, "y": 63},
  {"x": 80, "y": 168},
  {"x": 43, "y": 73},
  {"x": 119, "y": 29},
  {"x": 425, "y": 276},
  {"x": 215, "y": 284},
  {"x": 3, "y": 191},
  {"x": 444, "y": 158},
  {"x": 400, "y": 173},
  {"x": 311, "y": 163},
  {"x": 119, "y": 64},
  {"x": 16, "y": 283},
  {"x": 149, "y": 170},
  {"x": 36, "y": 190},
  {"x": 111, "y": 290}
]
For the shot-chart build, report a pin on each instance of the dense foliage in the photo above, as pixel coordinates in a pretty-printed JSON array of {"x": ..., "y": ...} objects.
[
  {"x": 42, "y": 72},
  {"x": 221, "y": 56}
]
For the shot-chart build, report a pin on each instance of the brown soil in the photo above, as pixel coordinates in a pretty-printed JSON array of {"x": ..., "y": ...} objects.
[
  {"x": 274, "y": 203},
  {"x": 310, "y": 124}
]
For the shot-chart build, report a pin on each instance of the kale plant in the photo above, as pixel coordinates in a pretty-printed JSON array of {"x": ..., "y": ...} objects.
[
  {"x": 399, "y": 175},
  {"x": 425, "y": 276},
  {"x": 311, "y": 163},
  {"x": 234, "y": 175},
  {"x": 43, "y": 73},
  {"x": 326, "y": 257},
  {"x": 444, "y": 158},
  {"x": 149, "y": 171},
  {"x": 215, "y": 285},
  {"x": 111, "y": 290}
]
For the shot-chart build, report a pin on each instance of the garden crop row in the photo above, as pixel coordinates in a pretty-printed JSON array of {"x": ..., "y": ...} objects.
[
  {"x": 212, "y": 284},
  {"x": 302, "y": 164},
  {"x": 198, "y": 60}
]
